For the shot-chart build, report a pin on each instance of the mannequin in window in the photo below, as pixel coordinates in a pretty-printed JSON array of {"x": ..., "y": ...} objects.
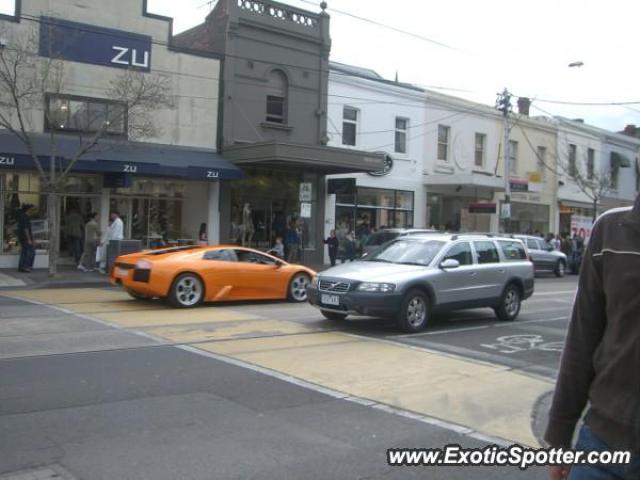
[{"x": 247, "y": 225}]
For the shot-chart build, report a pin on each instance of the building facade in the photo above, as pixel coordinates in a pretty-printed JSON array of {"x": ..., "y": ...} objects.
[
  {"x": 370, "y": 113},
  {"x": 165, "y": 185},
  {"x": 273, "y": 121}
]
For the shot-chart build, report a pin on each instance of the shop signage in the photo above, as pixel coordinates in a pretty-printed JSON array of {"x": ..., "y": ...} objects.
[
  {"x": 305, "y": 210},
  {"x": 80, "y": 42},
  {"x": 213, "y": 174},
  {"x": 8, "y": 161},
  {"x": 505, "y": 210},
  {"x": 386, "y": 167},
  {"x": 306, "y": 192},
  {"x": 519, "y": 185},
  {"x": 581, "y": 226},
  {"x": 482, "y": 207}
]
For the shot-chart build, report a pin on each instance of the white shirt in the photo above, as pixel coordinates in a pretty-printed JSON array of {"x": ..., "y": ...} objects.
[{"x": 116, "y": 230}]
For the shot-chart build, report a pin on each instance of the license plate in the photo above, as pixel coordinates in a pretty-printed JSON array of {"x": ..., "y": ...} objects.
[
  {"x": 120, "y": 272},
  {"x": 330, "y": 299}
]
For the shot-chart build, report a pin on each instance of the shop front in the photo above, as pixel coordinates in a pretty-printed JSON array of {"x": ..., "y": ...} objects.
[
  {"x": 529, "y": 218},
  {"x": 284, "y": 190},
  {"x": 164, "y": 195}
]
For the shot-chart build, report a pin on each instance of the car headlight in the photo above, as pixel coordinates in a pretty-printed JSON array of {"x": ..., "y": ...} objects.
[
  {"x": 314, "y": 282},
  {"x": 376, "y": 287}
]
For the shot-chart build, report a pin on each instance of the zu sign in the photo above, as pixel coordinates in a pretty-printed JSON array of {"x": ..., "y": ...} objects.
[
  {"x": 84, "y": 43},
  {"x": 9, "y": 161}
]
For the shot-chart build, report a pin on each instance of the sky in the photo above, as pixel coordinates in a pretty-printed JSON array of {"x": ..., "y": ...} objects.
[{"x": 481, "y": 47}]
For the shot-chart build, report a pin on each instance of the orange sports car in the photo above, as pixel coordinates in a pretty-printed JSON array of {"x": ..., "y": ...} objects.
[{"x": 190, "y": 275}]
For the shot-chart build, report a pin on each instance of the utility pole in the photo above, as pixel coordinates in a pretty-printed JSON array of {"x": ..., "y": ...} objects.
[{"x": 503, "y": 103}]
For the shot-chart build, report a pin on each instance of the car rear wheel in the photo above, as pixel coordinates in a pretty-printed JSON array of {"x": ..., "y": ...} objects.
[
  {"x": 560, "y": 269},
  {"x": 298, "y": 287},
  {"x": 414, "y": 312},
  {"x": 510, "y": 304},
  {"x": 333, "y": 315},
  {"x": 187, "y": 291}
]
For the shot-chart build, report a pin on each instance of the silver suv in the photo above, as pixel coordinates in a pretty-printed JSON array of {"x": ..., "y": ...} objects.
[
  {"x": 416, "y": 275},
  {"x": 545, "y": 258}
]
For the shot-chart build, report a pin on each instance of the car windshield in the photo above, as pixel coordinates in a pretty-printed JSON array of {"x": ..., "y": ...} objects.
[
  {"x": 408, "y": 252},
  {"x": 379, "y": 238}
]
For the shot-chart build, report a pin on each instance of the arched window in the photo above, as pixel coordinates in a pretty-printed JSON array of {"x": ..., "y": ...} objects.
[{"x": 277, "y": 97}]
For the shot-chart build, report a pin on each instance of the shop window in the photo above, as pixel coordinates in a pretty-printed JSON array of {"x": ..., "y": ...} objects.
[
  {"x": 402, "y": 125},
  {"x": 487, "y": 252},
  {"x": 460, "y": 252},
  {"x": 349, "y": 126},
  {"x": 277, "y": 97},
  {"x": 614, "y": 176},
  {"x": 443, "y": 143},
  {"x": 480, "y": 145},
  {"x": 76, "y": 114}
]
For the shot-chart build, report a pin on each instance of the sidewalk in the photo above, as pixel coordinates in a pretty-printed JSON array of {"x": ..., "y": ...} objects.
[{"x": 67, "y": 277}]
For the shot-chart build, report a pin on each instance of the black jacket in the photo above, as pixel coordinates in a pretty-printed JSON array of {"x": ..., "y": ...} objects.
[{"x": 601, "y": 359}]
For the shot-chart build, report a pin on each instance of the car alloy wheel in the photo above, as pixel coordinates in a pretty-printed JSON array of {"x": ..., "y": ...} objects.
[
  {"x": 509, "y": 306},
  {"x": 414, "y": 312},
  {"x": 298, "y": 287},
  {"x": 187, "y": 290}
]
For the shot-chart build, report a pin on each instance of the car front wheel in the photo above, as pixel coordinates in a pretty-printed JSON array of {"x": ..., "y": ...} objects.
[
  {"x": 414, "y": 311},
  {"x": 298, "y": 288},
  {"x": 510, "y": 303},
  {"x": 187, "y": 291}
]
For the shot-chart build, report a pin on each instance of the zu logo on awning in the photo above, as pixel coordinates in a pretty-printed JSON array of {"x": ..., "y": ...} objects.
[
  {"x": 130, "y": 168},
  {"x": 7, "y": 161},
  {"x": 213, "y": 174}
]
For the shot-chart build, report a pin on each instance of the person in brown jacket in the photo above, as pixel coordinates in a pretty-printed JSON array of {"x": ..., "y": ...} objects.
[
  {"x": 91, "y": 242},
  {"x": 601, "y": 359}
]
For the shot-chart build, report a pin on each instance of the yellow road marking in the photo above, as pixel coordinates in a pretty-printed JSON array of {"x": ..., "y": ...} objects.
[
  {"x": 173, "y": 316},
  {"x": 70, "y": 295},
  {"x": 115, "y": 306},
  {"x": 225, "y": 331},
  {"x": 489, "y": 399}
]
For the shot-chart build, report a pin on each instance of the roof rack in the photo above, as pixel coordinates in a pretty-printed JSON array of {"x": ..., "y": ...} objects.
[{"x": 455, "y": 236}]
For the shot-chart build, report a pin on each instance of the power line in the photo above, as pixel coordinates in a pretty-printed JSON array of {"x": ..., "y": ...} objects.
[
  {"x": 384, "y": 25},
  {"x": 587, "y": 104}
]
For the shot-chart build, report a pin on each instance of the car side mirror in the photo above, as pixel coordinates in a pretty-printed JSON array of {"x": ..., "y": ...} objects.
[
  {"x": 279, "y": 263},
  {"x": 449, "y": 263}
]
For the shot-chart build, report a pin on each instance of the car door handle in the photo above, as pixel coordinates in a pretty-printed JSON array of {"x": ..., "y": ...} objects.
[
  {"x": 473, "y": 273},
  {"x": 502, "y": 270}
]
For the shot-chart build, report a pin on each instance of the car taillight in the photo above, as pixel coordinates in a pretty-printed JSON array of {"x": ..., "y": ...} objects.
[{"x": 143, "y": 265}]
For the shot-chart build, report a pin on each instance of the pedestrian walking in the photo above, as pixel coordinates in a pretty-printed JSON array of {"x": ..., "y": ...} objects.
[
  {"x": 91, "y": 242},
  {"x": 25, "y": 237},
  {"x": 292, "y": 243},
  {"x": 602, "y": 352},
  {"x": 278, "y": 248},
  {"x": 332, "y": 244},
  {"x": 349, "y": 248},
  {"x": 115, "y": 232},
  {"x": 202, "y": 235}
]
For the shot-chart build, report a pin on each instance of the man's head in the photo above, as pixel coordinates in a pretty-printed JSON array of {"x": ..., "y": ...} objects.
[{"x": 113, "y": 215}]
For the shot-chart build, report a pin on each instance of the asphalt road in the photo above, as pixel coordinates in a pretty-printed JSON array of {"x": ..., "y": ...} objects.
[{"x": 102, "y": 401}]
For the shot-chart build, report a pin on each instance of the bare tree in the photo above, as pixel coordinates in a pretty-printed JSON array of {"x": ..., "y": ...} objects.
[{"x": 30, "y": 84}]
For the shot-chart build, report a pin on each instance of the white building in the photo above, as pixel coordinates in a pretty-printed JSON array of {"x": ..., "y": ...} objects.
[
  {"x": 164, "y": 186},
  {"x": 367, "y": 112}
]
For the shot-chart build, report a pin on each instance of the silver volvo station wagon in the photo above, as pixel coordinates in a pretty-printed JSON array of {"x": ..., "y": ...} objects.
[{"x": 415, "y": 276}]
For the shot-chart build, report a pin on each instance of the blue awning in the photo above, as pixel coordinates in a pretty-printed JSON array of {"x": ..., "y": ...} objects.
[{"x": 111, "y": 156}]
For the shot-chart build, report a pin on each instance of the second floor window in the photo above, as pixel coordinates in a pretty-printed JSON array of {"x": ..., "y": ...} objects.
[
  {"x": 513, "y": 157},
  {"x": 401, "y": 135},
  {"x": 572, "y": 167},
  {"x": 85, "y": 115},
  {"x": 542, "y": 160},
  {"x": 481, "y": 140},
  {"x": 349, "y": 126},
  {"x": 443, "y": 143},
  {"x": 591, "y": 163},
  {"x": 277, "y": 97}
]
